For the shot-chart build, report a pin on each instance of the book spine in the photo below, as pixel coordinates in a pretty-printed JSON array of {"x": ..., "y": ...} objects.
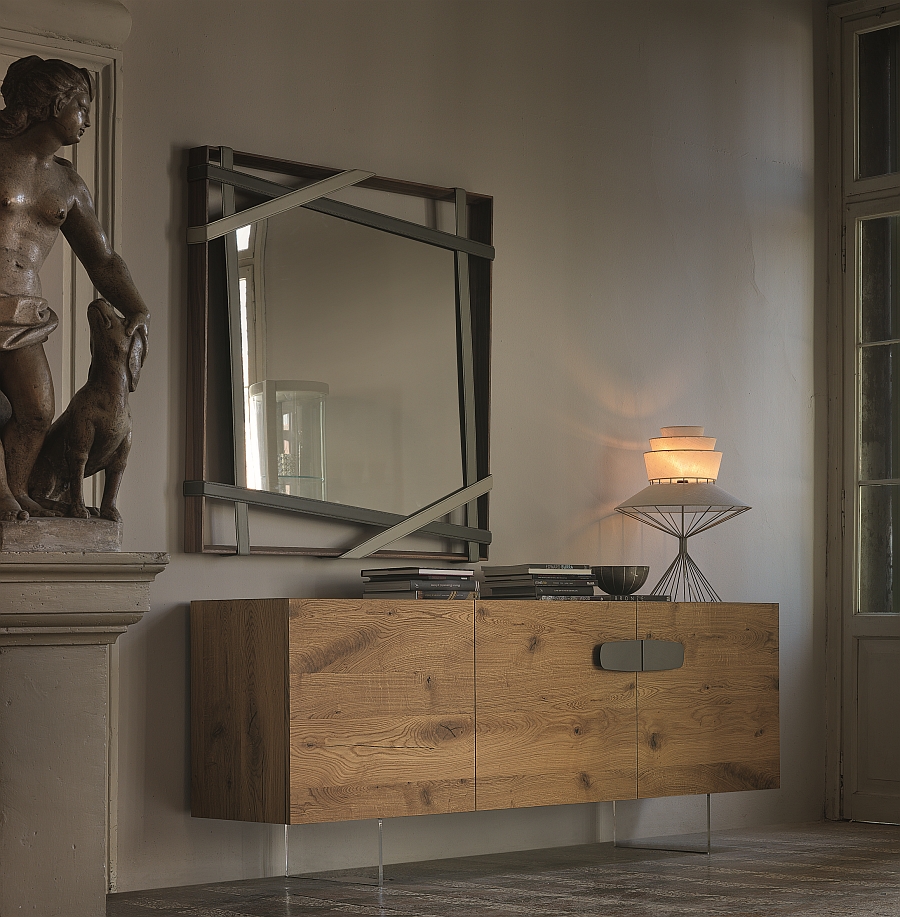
[
  {"x": 566, "y": 598},
  {"x": 419, "y": 594},
  {"x": 542, "y": 590},
  {"x": 543, "y": 598},
  {"x": 414, "y": 572},
  {"x": 406, "y": 584},
  {"x": 633, "y": 598},
  {"x": 529, "y": 581},
  {"x": 535, "y": 569}
]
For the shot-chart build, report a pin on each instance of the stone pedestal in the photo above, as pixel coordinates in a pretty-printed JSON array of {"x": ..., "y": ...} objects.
[
  {"x": 59, "y": 615},
  {"x": 60, "y": 535}
]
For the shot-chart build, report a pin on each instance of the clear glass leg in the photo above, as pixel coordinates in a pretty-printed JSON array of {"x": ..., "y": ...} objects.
[{"x": 632, "y": 846}]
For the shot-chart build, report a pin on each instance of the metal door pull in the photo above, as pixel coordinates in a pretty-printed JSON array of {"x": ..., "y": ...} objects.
[{"x": 639, "y": 655}]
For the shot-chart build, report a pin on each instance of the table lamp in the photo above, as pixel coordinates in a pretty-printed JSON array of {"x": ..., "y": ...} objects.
[{"x": 683, "y": 500}]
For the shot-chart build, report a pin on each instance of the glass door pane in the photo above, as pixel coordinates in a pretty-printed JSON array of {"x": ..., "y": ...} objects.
[
  {"x": 878, "y": 413},
  {"x": 879, "y": 529}
]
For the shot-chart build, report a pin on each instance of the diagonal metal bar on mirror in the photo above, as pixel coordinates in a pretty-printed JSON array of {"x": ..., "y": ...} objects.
[
  {"x": 225, "y": 225},
  {"x": 339, "y": 511},
  {"x": 348, "y": 212},
  {"x": 417, "y": 521},
  {"x": 404, "y": 228}
]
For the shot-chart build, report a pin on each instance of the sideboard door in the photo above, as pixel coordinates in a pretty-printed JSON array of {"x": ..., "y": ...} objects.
[
  {"x": 551, "y": 727},
  {"x": 238, "y": 704},
  {"x": 710, "y": 726},
  {"x": 382, "y": 708}
]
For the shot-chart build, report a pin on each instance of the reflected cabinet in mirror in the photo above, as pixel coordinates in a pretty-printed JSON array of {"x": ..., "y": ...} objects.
[{"x": 339, "y": 362}]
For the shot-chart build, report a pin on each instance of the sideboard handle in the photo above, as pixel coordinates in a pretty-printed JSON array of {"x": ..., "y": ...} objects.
[
  {"x": 662, "y": 655},
  {"x": 639, "y": 655},
  {"x": 619, "y": 656}
]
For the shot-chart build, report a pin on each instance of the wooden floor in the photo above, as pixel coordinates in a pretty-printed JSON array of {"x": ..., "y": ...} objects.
[{"x": 831, "y": 869}]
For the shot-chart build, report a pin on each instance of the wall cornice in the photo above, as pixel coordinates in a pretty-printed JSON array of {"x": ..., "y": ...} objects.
[{"x": 105, "y": 23}]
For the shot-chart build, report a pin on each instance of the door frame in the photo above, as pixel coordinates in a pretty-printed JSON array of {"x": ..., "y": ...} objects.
[{"x": 849, "y": 199}]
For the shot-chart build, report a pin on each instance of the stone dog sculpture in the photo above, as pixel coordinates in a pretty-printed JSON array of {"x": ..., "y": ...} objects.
[
  {"x": 94, "y": 432},
  {"x": 48, "y": 106}
]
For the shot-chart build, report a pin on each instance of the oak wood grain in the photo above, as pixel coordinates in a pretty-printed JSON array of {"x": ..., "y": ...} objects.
[
  {"x": 395, "y": 765},
  {"x": 711, "y": 726},
  {"x": 239, "y": 710},
  {"x": 377, "y": 636},
  {"x": 382, "y": 708},
  {"x": 333, "y": 695},
  {"x": 551, "y": 728}
]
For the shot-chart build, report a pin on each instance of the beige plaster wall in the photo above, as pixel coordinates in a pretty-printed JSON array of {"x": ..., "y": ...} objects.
[{"x": 653, "y": 165}]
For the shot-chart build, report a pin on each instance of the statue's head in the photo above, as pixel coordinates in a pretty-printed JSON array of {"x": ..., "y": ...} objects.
[{"x": 32, "y": 88}]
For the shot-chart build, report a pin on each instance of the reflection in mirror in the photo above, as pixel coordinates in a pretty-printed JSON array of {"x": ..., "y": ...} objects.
[
  {"x": 372, "y": 316},
  {"x": 286, "y": 437}
]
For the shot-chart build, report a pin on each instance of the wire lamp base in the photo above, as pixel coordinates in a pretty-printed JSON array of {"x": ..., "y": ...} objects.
[
  {"x": 684, "y": 581},
  {"x": 683, "y": 509}
]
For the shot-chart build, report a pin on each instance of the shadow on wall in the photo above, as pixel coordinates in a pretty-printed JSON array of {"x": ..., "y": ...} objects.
[{"x": 167, "y": 774}]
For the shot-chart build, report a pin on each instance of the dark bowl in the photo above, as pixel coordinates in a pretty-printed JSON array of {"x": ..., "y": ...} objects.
[{"x": 618, "y": 579}]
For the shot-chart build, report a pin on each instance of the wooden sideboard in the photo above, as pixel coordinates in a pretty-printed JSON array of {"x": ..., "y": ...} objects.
[{"x": 311, "y": 710}]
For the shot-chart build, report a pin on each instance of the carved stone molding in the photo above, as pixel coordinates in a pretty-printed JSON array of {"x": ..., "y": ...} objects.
[
  {"x": 104, "y": 23},
  {"x": 52, "y": 599}
]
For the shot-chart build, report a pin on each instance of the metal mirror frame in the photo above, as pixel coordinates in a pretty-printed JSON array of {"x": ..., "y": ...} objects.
[{"x": 213, "y": 175}]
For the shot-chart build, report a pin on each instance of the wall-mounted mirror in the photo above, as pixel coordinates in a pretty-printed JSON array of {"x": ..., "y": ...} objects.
[{"x": 339, "y": 366}]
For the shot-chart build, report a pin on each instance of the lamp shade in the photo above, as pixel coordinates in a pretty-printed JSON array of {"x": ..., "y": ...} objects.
[
  {"x": 703, "y": 499},
  {"x": 682, "y": 454},
  {"x": 682, "y": 464}
]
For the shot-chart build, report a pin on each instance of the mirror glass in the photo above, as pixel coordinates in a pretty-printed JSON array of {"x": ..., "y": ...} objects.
[{"x": 370, "y": 316}]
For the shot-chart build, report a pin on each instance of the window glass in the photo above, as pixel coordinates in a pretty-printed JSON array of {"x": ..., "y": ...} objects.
[
  {"x": 877, "y": 82},
  {"x": 880, "y": 279}
]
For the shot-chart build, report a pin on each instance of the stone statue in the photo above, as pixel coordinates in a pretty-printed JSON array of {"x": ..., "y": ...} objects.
[
  {"x": 47, "y": 107},
  {"x": 94, "y": 432}
]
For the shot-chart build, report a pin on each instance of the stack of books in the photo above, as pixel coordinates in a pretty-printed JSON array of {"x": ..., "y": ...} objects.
[
  {"x": 419, "y": 583},
  {"x": 566, "y": 582}
]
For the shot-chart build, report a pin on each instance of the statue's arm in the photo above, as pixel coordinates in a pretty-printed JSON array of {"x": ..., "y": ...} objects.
[{"x": 104, "y": 266}]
